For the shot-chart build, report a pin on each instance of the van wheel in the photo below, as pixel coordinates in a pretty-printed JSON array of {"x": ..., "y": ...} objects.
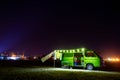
[{"x": 89, "y": 67}]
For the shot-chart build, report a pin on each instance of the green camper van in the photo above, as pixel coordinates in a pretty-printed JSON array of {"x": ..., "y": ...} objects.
[{"x": 80, "y": 57}]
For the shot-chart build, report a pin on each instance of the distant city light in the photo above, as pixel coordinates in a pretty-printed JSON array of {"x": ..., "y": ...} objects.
[
  {"x": 117, "y": 59},
  {"x": 13, "y": 58},
  {"x": 113, "y": 59},
  {"x": 109, "y": 59}
]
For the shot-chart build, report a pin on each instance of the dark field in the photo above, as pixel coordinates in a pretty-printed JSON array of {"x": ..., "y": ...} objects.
[{"x": 35, "y": 70}]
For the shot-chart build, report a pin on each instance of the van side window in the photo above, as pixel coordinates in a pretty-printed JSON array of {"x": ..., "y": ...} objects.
[{"x": 90, "y": 54}]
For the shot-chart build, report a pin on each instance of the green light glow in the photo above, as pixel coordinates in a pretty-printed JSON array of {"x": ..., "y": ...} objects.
[
  {"x": 64, "y": 51},
  {"x": 83, "y": 49},
  {"x": 78, "y": 50},
  {"x": 71, "y": 50},
  {"x": 60, "y": 50},
  {"x": 67, "y": 51},
  {"x": 55, "y": 50}
]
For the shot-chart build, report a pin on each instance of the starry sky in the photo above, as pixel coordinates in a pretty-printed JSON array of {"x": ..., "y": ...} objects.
[{"x": 38, "y": 27}]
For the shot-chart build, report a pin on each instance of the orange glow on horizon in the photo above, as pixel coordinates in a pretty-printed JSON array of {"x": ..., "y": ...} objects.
[{"x": 112, "y": 59}]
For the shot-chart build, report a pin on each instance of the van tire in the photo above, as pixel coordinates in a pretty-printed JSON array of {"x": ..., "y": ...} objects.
[{"x": 89, "y": 67}]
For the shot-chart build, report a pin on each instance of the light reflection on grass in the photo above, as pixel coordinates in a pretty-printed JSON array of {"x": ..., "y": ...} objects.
[{"x": 19, "y": 73}]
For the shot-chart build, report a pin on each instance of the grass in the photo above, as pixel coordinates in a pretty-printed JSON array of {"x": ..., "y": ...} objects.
[
  {"x": 36, "y": 73},
  {"x": 35, "y": 70}
]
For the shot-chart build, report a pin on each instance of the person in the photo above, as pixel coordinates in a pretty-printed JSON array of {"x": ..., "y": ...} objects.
[{"x": 75, "y": 60}]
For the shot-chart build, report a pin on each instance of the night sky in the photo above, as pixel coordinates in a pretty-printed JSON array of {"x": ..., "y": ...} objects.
[{"x": 38, "y": 27}]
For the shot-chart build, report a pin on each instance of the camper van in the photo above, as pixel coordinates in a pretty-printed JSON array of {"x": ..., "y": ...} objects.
[{"x": 80, "y": 57}]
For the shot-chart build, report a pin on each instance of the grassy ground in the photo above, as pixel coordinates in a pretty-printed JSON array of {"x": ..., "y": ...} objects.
[
  {"x": 36, "y": 73},
  {"x": 34, "y": 70}
]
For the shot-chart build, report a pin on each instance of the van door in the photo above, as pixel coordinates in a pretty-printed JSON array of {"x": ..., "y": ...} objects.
[{"x": 78, "y": 59}]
